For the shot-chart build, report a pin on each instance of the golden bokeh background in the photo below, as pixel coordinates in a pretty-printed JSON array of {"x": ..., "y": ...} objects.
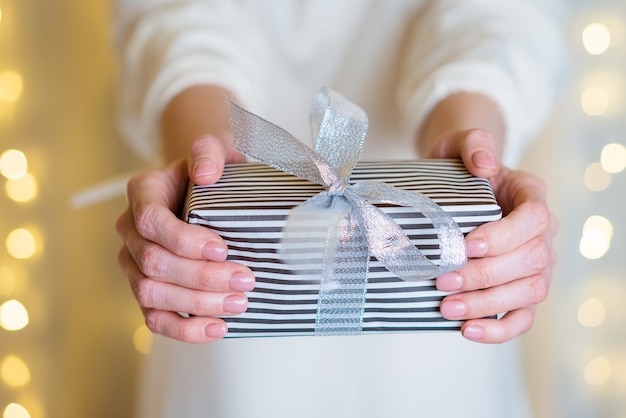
[{"x": 71, "y": 336}]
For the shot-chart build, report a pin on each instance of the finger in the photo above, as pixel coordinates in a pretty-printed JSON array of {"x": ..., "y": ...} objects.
[
  {"x": 156, "y": 262},
  {"x": 206, "y": 160},
  {"x": 152, "y": 199},
  {"x": 482, "y": 273},
  {"x": 169, "y": 297},
  {"x": 208, "y": 155},
  {"x": 528, "y": 220},
  {"x": 478, "y": 151},
  {"x": 196, "y": 329},
  {"x": 497, "y": 331},
  {"x": 483, "y": 303}
]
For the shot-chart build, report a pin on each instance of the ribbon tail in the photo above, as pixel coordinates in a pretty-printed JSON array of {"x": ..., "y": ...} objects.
[{"x": 392, "y": 247}]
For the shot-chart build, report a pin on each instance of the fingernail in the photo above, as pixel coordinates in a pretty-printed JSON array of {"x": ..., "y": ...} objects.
[
  {"x": 476, "y": 248},
  {"x": 449, "y": 282},
  {"x": 204, "y": 167},
  {"x": 484, "y": 159},
  {"x": 454, "y": 309},
  {"x": 235, "y": 304},
  {"x": 473, "y": 332},
  {"x": 214, "y": 252},
  {"x": 242, "y": 282},
  {"x": 216, "y": 330}
]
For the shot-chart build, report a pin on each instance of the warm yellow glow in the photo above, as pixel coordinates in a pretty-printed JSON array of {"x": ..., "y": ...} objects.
[
  {"x": 598, "y": 371},
  {"x": 23, "y": 189},
  {"x": 21, "y": 243},
  {"x": 14, "y": 371},
  {"x": 13, "y": 315},
  {"x": 613, "y": 158},
  {"x": 142, "y": 339},
  {"x": 13, "y": 164},
  {"x": 591, "y": 313},
  {"x": 596, "y": 178},
  {"x": 11, "y": 86},
  {"x": 595, "y": 101},
  {"x": 596, "y": 239},
  {"x": 14, "y": 410},
  {"x": 597, "y": 222},
  {"x": 596, "y": 38},
  {"x": 7, "y": 281}
]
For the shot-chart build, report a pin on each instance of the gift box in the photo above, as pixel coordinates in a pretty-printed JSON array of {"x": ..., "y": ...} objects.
[
  {"x": 249, "y": 208},
  {"x": 338, "y": 246}
]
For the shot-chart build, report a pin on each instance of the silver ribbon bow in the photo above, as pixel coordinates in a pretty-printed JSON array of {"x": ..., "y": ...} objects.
[{"x": 342, "y": 223}]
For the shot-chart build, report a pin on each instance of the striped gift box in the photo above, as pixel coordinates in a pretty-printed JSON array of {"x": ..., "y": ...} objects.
[{"x": 248, "y": 208}]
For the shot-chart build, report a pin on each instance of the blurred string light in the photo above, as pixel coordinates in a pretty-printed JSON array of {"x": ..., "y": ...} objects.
[
  {"x": 596, "y": 238},
  {"x": 613, "y": 158},
  {"x": 23, "y": 189},
  {"x": 596, "y": 178},
  {"x": 595, "y": 100},
  {"x": 21, "y": 243},
  {"x": 13, "y": 164},
  {"x": 11, "y": 86},
  {"x": 7, "y": 281},
  {"x": 14, "y": 371},
  {"x": 13, "y": 316},
  {"x": 598, "y": 371},
  {"x": 15, "y": 410},
  {"x": 591, "y": 313},
  {"x": 142, "y": 339},
  {"x": 596, "y": 38}
]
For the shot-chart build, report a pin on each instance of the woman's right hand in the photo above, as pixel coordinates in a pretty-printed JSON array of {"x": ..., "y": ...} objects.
[{"x": 176, "y": 267}]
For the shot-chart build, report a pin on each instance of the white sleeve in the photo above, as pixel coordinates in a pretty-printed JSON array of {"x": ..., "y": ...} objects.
[
  {"x": 166, "y": 46},
  {"x": 511, "y": 51}
]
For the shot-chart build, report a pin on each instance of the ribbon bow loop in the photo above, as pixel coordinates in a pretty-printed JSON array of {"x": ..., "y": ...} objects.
[{"x": 342, "y": 225}]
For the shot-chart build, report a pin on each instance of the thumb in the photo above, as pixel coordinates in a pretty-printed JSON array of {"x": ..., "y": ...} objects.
[
  {"x": 478, "y": 150},
  {"x": 206, "y": 160},
  {"x": 208, "y": 155}
]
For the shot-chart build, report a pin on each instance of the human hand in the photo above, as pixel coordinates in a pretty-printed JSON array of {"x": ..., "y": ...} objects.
[
  {"x": 176, "y": 267},
  {"x": 511, "y": 260}
]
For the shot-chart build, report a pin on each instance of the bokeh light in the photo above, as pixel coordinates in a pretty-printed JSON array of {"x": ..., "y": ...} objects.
[
  {"x": 598, "y": 371},
  {"x": 15, "y": 410},
  {"x": 596, "y": 38},
  {"x": 596, "y": 238},
  {"x": 591, "y": 312},
  {"x": 23, "y": 189},
  {"x": 142, "y": 339},
  {"x": 21, "y": 243},
  {"x": 13, "y": 316},
  {"x": 11, "y": 86},
  {"x": 7, "y": 281},
  {"x": 613, "y": 158},
  {"x": 596, "y": 178},
  {"x": 595, "y": 101},
  {"x": 13, "y": 164},
  {"x": 14, "y": 371}
]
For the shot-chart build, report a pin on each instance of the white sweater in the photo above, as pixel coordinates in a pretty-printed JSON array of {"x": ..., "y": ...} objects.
[{"x": 396, "y": 59}]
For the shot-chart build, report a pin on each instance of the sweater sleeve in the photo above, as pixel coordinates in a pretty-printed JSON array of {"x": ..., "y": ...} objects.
[
  {"x": 166, "y": 46},
  {"x": 510, "y": 51}
]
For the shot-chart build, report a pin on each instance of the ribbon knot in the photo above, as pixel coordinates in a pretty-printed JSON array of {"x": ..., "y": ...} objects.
[{"x": 348, "y": 224}]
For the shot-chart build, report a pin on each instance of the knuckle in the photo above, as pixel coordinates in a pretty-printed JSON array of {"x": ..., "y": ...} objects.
[
  {"x": 485, "y": 276},
  {"x": 539, "y": 214},
  {"x": 538, "y": 289},
  {"x": 144, "y": 292},
  {"x": 145, "y": 219},
  {"x": 539, "y": 257},
  {"x": 150, "y": 260},
  {"x": 152, "y": 321},
  {"x": 183, "y": 332}
]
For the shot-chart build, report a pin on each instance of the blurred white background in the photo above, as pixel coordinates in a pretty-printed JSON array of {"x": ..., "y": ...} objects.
[{"x": 71, "y": 337}]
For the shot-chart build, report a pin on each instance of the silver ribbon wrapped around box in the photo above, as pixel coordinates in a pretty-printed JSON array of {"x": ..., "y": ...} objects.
[{"x": 339, "y": 246}]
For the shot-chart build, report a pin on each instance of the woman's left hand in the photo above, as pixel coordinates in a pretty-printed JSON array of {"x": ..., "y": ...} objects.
[{"x": 510, "y": 261}]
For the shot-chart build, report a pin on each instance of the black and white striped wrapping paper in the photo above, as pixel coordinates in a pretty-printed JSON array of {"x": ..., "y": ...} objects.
[{"x": 248, "y": 208}]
